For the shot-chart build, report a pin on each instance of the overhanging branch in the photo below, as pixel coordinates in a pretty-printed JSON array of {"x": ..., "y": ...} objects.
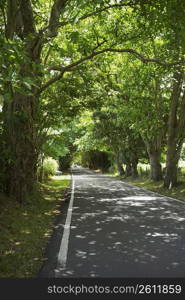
[
  {"x": 131, "y": 51},
  {"x": 50, "y": 82},
  {"x": 71, "y": 67}
]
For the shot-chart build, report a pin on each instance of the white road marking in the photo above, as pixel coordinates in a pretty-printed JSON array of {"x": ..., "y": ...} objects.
[{"x": 62, "y": 255}]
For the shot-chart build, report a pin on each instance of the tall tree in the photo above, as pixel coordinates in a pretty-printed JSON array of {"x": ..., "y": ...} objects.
[
  {"x": 26, "y": 34},
  {"x": 37, "y": 51}
]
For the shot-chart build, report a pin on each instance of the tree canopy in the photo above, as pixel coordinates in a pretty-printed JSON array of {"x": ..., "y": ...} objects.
[{"x": 79, "y": 76}]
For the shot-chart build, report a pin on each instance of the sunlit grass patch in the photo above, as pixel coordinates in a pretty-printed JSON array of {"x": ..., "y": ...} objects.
[
  {"x": 58, "y": 181},
  {"x": 24, "y": 230}
]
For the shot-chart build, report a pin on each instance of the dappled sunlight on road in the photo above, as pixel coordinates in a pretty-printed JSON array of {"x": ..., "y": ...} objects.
[{"x": 119, "y": 231}]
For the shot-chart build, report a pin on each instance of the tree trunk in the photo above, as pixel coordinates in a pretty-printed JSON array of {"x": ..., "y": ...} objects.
[
  {"x": 154, "y": 152},
  {"x": 120, "y": 169},
  {"x": 128, "y": 171},
  {"x": 155, "y": 165},
  {"x": 174, "y": 144},
  {"x": 172, "y": 159},
  {"x": 171, "y": 168},
  {"x": 20, "y": 141},
  {"x": 134, "y": 170},
  {"x": 119, "y": 163},
  {"x": 20, "y": 114}
]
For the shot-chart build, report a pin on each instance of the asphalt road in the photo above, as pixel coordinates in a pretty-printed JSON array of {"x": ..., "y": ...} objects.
[{"x": 117, "y": 230}]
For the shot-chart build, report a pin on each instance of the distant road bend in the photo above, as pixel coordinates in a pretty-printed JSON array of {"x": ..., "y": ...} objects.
[{"x": 114, "y": 229}]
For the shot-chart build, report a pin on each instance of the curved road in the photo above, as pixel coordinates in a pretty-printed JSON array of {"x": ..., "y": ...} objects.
[{"x": 117, "y": 230}]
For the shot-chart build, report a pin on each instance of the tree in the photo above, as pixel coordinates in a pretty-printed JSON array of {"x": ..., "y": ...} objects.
[
  {"x": 148, "y": 108},
  {"x": 38, "y": 51},
  {"x": 26, "y": 33},
  {"x": 176, "y": 120}
]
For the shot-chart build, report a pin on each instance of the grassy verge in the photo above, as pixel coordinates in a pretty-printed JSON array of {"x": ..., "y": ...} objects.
[
  {"x": 25, "y": 230},
  {"x": 145, "y": 183}
]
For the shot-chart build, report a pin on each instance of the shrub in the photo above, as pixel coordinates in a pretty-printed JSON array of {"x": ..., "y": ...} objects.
[{"x": 50, "y": 166}]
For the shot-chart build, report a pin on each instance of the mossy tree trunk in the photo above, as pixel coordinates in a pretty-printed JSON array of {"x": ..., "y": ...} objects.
[
  {"x": 21, "y": 109},
  {"x": 20, "y": 137}
]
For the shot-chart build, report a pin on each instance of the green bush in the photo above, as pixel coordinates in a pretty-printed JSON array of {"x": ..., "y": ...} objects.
[{"x": 50, "y": 166}]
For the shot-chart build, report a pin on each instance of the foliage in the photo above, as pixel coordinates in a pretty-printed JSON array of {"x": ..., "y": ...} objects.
[
  {"x": 50, "y": 166},
  {"x": 63, "y": 61},
  {"x": 97, "y": 82},
  {"x": 96, "y": 160}
]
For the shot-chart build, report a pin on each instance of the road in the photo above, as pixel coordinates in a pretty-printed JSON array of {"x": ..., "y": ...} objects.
[{"x": 117, "y": 230}]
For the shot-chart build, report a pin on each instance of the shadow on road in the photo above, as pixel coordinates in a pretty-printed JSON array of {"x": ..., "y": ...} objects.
[{"x": 123, "y": 231}]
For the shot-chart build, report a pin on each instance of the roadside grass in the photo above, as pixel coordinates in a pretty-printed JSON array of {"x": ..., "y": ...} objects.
[
  {"x": 25, "y": 230},
  {"x": 144, "y": 182}
]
